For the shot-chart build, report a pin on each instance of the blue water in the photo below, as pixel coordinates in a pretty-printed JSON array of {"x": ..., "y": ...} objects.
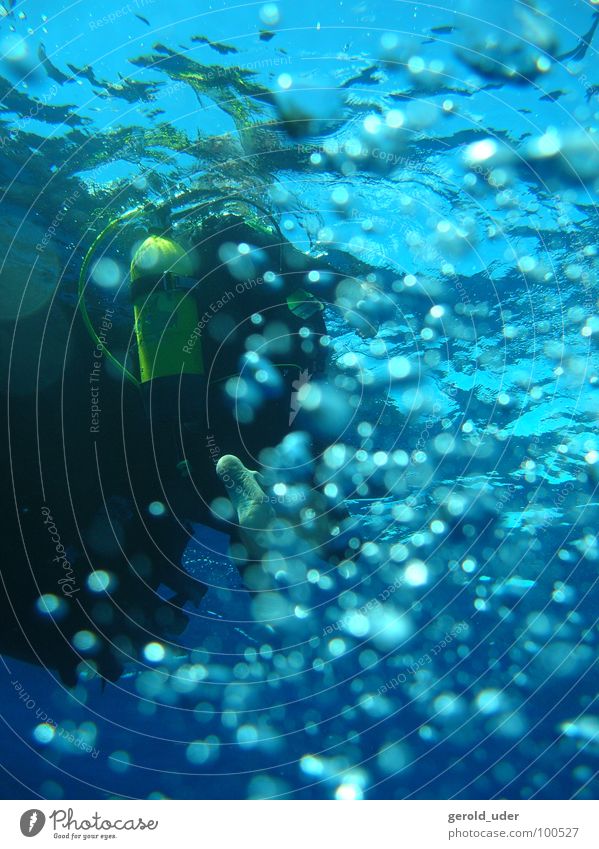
[{"x": 452, "y": 154}]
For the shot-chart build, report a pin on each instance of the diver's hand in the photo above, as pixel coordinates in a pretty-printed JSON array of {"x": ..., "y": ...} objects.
[{"x": 254, "y": 513}]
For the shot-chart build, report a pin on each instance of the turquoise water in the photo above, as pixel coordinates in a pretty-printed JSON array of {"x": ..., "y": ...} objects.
[{"x": 447, "y": 161}]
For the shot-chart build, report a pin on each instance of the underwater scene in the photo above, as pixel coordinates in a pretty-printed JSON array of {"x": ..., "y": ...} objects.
[{"x": 299, "y": 385}]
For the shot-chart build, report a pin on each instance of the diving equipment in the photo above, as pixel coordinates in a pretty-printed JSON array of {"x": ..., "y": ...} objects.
[{"x": 165, "y": 313}]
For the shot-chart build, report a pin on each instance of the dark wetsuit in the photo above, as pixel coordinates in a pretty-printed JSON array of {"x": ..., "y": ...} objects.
[{"x": 79, "y": 501}]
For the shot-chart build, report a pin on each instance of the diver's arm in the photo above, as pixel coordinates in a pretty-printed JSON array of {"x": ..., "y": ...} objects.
[{"x": 340, "y": 280}]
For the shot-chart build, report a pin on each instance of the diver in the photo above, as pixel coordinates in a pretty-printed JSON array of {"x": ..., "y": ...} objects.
[{"x": 228, "y": 316}]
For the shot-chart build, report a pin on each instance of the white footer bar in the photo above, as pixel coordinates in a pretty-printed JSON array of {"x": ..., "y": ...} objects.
[{"x": 302, "y": 824}]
